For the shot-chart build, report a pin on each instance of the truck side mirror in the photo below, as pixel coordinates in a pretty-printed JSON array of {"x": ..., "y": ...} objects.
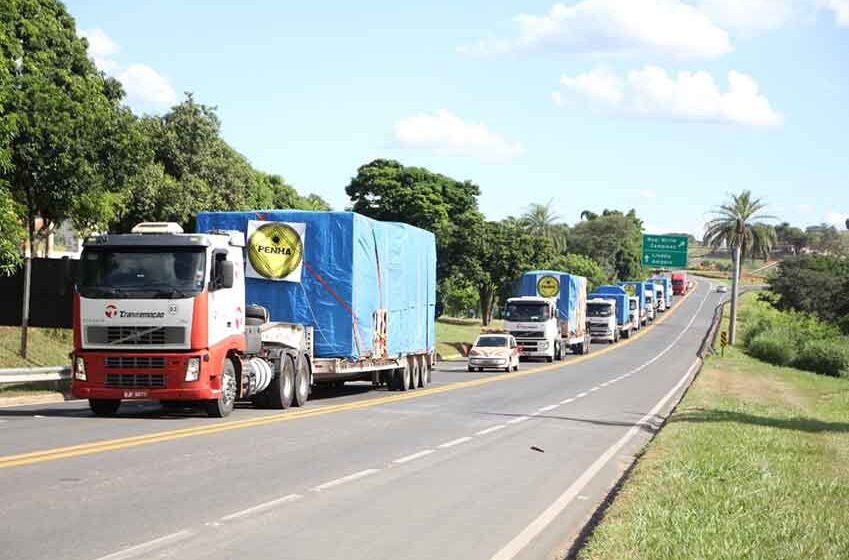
[{"x": 224, "y": 274}]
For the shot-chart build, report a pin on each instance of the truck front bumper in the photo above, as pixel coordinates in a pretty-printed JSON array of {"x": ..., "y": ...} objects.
[{"x": 143, "y": 375}]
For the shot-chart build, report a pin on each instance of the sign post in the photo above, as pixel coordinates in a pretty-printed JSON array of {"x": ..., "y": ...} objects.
[{"x": 665, "y": 251}]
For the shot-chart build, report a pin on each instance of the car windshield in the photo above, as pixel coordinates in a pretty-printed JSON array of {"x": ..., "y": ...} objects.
[
  {"x": 491, "y": 342},
  {"x": 599, "y": 310},
  {"x": 142, "y": 273},
  {"x": 527, "y": 312}
]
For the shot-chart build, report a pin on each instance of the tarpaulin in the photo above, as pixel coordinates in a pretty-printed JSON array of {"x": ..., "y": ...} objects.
[
  {"x": 620, "y": 297},
  {"x": 571, "y": 299},
  {"x": 353, "y": 268}
]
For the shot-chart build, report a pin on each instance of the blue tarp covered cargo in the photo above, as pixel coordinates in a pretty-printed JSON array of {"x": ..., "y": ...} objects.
[
  {"x": 620, "y": 296},
  {"x": 353, "y": 267},
  {"x": 571, "y": 298},
  {"x": 636, "y": 289}
]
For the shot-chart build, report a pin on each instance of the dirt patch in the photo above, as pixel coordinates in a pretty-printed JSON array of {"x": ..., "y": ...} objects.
[{"x": 766, "y": 389}]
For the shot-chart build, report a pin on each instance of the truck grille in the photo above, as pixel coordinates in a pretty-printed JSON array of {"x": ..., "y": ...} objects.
[
  {"x": 134, "y": 362},
  {"x": 133, "y": 380},
  {"x": 528, "y": 334},
  {"x": 136, "y": 335}
]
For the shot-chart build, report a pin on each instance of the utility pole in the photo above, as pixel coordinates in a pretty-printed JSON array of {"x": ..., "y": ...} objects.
[
  {"x": 25, "y": 306},
  {"x": 735, "y": 281}
]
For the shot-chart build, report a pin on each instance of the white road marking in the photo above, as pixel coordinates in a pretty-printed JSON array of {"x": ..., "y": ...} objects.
[
  {"x": 344, "y": 479},
  {"x": 520, "y": 541},
  {"x": 605, "y": 384},
  {"x": 454, "y": 442},
  {"x": 143, "y": 548},
  {"x": 549, "y": 407},
  {"x": 594, "y": 389},
  {"x": 518, "y": 419},
  {"x": 262, "y": 507},
  {"x": 567, "y": 401},
  {"x": 414, "y": 456},
  {"x": 490, "y": 430},
  {"x": 581, "y": 395},
  {"x": 624, "y": 375}
]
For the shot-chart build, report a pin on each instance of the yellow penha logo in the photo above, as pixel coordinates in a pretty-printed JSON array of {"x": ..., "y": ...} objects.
[
  {"x": 548, "y": 287},
  {"x": 275, "y": 250}
]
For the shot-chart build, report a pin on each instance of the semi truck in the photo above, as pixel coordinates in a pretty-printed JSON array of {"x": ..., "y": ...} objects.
[
  {"x": 663, "y": 291},
  {"x": 622, "y": 323},
  {"x": 548, "y": 314},
  {"x": 680, "y": 285},
  {"x": 637, "y": 290},
  {"x": 650, "y": 299},
  {"x": 255, "y": 306}
]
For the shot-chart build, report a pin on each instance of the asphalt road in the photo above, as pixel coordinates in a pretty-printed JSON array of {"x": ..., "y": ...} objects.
[{"x": 476, "y": 466}]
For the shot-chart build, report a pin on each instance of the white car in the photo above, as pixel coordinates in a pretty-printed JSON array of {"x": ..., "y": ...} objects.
[
  {"x": 721, "y": 289},
  {"x": 494, "y": 351}
]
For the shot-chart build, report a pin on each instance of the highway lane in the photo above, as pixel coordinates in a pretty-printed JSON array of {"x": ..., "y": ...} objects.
[{"x": 451, "y": 474}]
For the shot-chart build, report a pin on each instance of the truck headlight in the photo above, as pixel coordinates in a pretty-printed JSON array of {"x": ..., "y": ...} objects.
[
  {"x": 192, "y": 369},
  {"x": 543, "y": 345},
  {"x": 79, "y": 368}
]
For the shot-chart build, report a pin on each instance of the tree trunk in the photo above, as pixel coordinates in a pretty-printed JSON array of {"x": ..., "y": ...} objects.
[
  {"x": 735, "y": 279},
  {"x": 27, "y": 283},
  {"x": 486, "y": 293}
]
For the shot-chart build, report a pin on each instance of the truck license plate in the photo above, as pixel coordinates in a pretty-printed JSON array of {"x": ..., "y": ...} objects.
[{"x": 135, "y": 394}]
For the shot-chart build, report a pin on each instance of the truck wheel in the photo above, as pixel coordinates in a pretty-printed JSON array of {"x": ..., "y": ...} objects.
[
  {"x": 223, "y": 405},
  {"x": 104, "y": 407},
  {"x": 558, "y": 352},
  {"x": 282, "y": 389},
  {"x": 627, "y": 333},
  {"x": 302, "y": 383},
  {"x": 415, "y": 373},
  {"x": 423, "y": 371},
  {"x": 402, "y": 378}
]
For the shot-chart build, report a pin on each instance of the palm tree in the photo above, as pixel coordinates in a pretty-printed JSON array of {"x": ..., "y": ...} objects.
[
  {"x": 542, "y": 220},
  {"x": 737, "y": 225}
]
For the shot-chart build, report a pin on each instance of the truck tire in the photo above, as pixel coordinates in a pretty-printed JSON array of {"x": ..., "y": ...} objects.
[
  {"x": 558, "y": 352},
  {"x": 302, "y": 383},
  {"x": 415, "y": 372},
  {"x": 424, "y": 373},
  {"x": 104, "y": 407},
  {"x": 281, "y": 393},
  {"x": 256, "y": 315},
  {"x": 402, "y": 378},
  {"x": 627, "y": 334},
  {"x": 223, "y": 405}
]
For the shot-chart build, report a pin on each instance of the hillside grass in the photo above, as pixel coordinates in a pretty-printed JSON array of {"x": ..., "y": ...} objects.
[
  {"x": 754, "y": 463},
  {"x": 452, "y": 333},
  {"x": 46, "y": 347}
]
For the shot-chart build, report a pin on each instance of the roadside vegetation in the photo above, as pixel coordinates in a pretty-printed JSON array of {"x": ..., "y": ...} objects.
[
  {"x": 454, "y": 335},
  {"x": 48, "y": 347},
  {"x": 754, "y": 463}
]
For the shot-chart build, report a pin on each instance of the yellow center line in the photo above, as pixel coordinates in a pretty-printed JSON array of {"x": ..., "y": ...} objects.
[{"x": 170, "y": 435}]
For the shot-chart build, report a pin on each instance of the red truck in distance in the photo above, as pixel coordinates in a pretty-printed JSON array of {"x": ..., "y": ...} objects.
[{"x": 679, "y": 283}]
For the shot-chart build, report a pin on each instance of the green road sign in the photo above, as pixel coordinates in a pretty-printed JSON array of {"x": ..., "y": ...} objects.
[{"x": 665, "y": 250}]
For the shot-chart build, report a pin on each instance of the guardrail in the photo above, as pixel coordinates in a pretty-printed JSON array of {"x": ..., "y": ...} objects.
[{"x": 34, "y": 375}]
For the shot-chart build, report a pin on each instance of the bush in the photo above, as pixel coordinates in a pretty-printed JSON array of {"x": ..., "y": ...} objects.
[
  {"x": 774, "y": 345},
  {"x": 828, "y": 357}
]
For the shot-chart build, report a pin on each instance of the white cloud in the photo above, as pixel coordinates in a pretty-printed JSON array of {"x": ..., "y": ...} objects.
[
  {"x": 652, "y": 92},
  {"x": 101, "y": 48},
  {"x": 648, "y": 193},
  {"x": 599, "y": 83},
  {"x": 750, "y": 16},
  {"x": 447, "y": 133},
  {"x": 614, "y": 27},
  {"x": 840, "y": 9},
  {"x": 836, "y": 219},
  {"x": 143, "y": 83}
]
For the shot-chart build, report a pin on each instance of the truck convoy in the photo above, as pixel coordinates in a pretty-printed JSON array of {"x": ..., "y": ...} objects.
[
  {"x": 256, "y": 306},
  {"x": 663, "y": 291},
  {"x": 650, "y": 298},
  {"x": 548, "y": 314},
  {"x": 609, "y": 313},
  {"x": 680, "y": 285}
]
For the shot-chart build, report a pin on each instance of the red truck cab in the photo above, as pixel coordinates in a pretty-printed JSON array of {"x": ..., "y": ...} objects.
[{"x": 679, "y": 283}]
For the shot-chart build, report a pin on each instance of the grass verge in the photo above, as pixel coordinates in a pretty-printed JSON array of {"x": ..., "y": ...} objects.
[
  {"x": 47, "y": 347},
  {"x": 754, "y": 463},
  {"x": 452, "y": 333}
]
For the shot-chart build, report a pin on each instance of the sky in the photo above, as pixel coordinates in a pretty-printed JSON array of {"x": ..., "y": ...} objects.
[{"x": 664, "y": 106}]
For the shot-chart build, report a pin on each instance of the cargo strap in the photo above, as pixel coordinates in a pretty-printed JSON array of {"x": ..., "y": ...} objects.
[{"x": 315, "y": 274}]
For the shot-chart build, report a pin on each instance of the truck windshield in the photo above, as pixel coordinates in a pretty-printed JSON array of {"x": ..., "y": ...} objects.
[
  {"x": 633, "y": 305},
  {"x": 527, "y": 312},
  {"x": 599, "y": 310},
  {"x": 142, "y": 273}
]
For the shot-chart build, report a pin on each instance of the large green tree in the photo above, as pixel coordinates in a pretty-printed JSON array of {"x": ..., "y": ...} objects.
[
  {"x": 816, "y": 284},
  {"x": 11, "y": 232},
  {"x": 542, "y": 220},
  {"x": 387, "y": 190},
  {"x": 611, "y": 239},
  {"x": 73, "y": 145},
  {"x": 738, "y": 223}
]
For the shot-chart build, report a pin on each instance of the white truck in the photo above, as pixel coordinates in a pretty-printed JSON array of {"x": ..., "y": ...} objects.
[
  {"x": 548, "y": 317},
  {"x": 636, "y": 318},
  {"x": 601, "y": 317}
]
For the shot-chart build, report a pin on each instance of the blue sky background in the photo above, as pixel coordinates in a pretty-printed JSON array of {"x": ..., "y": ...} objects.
[{"x": 313, "y": 90}]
